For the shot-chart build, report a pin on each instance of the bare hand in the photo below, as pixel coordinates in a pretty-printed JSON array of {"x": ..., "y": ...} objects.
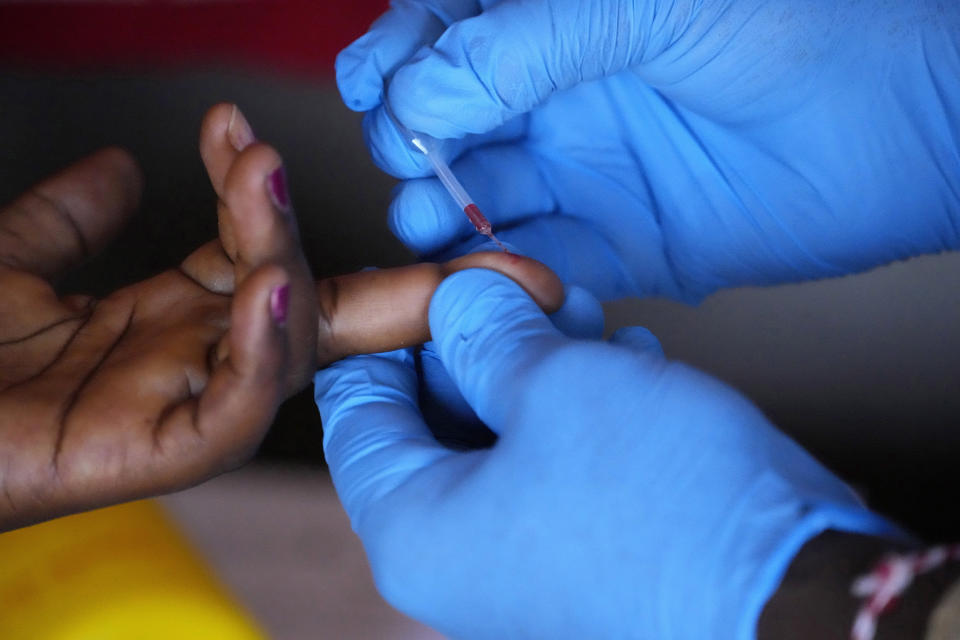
[
  {"x": 173, "y": 380},
  {"x": 162, "y": 383}
]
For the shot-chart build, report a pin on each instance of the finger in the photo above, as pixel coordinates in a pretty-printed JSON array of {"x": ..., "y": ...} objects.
[
  {"x": 593, "y": 229},
  {"x": 72, "y": 215},
  {"x": 224, "y": 133},
  {"x": 364, "y": 66},
  {"x": 398, "y": 156},
  {"x": 505, "y": 180},
  {"x": 260, "y": 213},
  {"x": 375, "y": 311},
  {"x": 238, "y": 404},
  {"x": 609, "y": 266},
  {"x": 573, "y": 249},
  {"x": 487, "y": 69},
  {"x": 364, "y": 70},
  {"x": 210, "y": 267},
  {"x": 639, "y": 340},
  {"x": 577, "y": 252},
  {"x": 258, "y": 207},
  {"x": 489, "y": 334},
  {"x": 374, "y": 438},
  {"x": 450, "y": 417},
  {"x": 581, "y": 315}
]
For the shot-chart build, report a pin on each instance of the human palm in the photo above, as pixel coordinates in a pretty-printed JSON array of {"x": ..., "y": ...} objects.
[
  {"x": 172, "y": 380},
  {"x": 697, "y": 147},
  {"x": 161, "y": 383}
]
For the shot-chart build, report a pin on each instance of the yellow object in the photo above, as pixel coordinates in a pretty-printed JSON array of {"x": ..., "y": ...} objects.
[{"x": 121, "y": 573}]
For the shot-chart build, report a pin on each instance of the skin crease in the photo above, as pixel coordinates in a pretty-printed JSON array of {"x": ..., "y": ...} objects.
[{"x": 170, "y": 381}]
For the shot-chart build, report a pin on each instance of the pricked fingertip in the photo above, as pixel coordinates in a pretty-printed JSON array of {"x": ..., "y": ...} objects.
[{"x": 533, "y": 276}]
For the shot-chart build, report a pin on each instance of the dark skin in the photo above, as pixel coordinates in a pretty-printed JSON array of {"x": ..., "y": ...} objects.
[
  {"x": 814, "y": 600},
  {"x": 170, "y": 381}
]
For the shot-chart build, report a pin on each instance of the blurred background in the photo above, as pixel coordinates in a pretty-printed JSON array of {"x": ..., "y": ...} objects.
[{"x": 864, "y": 370}]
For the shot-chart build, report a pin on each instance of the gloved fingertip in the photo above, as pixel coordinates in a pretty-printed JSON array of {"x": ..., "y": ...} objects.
[
  {"x": 581, "y": 315},
  {"x": 389, "y": 150},
  {"x": 472, "y": 301},
  {"x": 423, "y": 217},
  {"x": 433, "y": 96},
  {"x": 487, "y": 330},
  {"x": 360, "y": 85},
  {"x": 639, "y": 339}
]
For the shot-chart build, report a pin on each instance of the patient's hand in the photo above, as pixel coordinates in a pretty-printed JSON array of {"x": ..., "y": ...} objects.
[
  {"x": 172, "y": 380},
  {"x": 162, "y": 383}
]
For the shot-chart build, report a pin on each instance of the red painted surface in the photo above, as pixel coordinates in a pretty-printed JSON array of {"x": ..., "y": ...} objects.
[{"x": 294, "y": 36}]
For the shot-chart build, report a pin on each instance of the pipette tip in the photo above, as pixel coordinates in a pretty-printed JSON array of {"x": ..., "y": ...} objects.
[
  {"x": 428, "y": 147},
  {"x": 481, "y": 224}
]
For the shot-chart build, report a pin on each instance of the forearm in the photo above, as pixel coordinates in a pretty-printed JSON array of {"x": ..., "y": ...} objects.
[{"x": 814, "y": 599}]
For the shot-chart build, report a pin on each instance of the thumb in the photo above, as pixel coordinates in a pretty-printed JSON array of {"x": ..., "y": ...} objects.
[
  {"x": 364, "y": 66},
  {"x": 640, "y": 340},
  {"x": 374, "y": 437},
  {"x": 581, "y": 315},
  {"x": 490, "y": 335},
  {"x": 484, "y": 70}
]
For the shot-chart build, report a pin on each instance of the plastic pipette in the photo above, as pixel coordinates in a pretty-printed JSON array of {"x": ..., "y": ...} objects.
[{"x": 429, "y": 147}]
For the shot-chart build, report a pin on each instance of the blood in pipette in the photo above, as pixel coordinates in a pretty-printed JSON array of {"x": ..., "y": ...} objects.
[
  {"x": 478, "y": 219},
  {"x": 481, "y": 224}
]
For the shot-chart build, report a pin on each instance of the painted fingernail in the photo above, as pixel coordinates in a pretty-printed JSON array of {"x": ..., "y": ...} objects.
[
  {"x": 238, "y": 130},
  {"x": 277, "y": 189},
  {"x": 279, "y": 304}
]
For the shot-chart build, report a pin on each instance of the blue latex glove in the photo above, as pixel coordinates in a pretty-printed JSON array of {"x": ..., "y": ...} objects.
[
  {"x": 626, "y": 496},
  {"x": 674, "y": 147}
]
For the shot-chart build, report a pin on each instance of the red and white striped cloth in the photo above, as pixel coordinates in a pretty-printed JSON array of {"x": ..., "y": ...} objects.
[{"x": 889, "y": 579}]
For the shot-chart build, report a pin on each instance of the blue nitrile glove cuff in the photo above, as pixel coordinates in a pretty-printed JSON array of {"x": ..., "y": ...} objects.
[{"x": 848, "y": 518}]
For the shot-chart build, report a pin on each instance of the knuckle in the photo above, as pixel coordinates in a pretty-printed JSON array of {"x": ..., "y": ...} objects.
[{"x": 249, "y": 171}]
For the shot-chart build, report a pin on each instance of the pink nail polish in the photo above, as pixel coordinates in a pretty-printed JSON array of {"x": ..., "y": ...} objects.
[
  {"x": 239, "y": 132},
  {"x": 280, "y": 304},
  {"x": 277, "y": 189}
]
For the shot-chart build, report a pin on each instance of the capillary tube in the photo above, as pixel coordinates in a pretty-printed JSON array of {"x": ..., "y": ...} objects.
[{"x": 428, "y": 146}]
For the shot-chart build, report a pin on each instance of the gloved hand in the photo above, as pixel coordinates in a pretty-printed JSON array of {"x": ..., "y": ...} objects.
[
  {"x": 625, "y": 496},
  {"x": 674, "y": 147}
]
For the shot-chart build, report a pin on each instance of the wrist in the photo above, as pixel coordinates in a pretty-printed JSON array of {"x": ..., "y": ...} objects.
[{"x": 814, "y": 598}]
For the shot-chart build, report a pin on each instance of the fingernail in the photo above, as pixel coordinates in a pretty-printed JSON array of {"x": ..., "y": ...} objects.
[
  {"x": 279, "y": 304},
  {"x": 277, "y": 189},
  {"x": 238, "y": 130}
]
